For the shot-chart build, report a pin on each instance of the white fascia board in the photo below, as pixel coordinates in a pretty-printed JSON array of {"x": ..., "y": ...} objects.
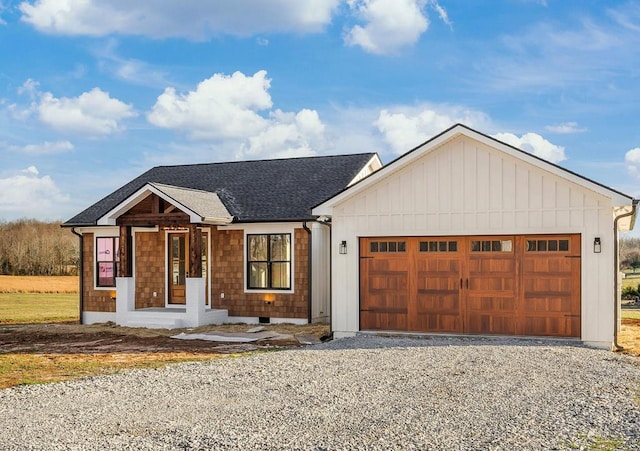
[
  {"x": 110, "y": 217},
  {"x": 98, "y": 231},
  {"x": 626, "y": 223},
  {"x": 215, "y": 221},
  {"x": 326, "y": 208},
  {"x": 372, "y": 166}
]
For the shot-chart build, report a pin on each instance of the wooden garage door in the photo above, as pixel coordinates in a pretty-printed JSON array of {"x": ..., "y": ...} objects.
[
  {"x": 507, "y": 285},
  {"x": 386, "y": 283},
  {"x": 551, "y": 286}
]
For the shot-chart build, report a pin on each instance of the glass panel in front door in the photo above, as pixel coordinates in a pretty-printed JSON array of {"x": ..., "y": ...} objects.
[
  {"x": 177, "y": 259},
  {"x": 177, "y": 268}
]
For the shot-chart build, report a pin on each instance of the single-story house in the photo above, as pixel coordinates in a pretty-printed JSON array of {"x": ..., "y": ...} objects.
[
  {"x": 468, "y": 235},
  {"x": 189, "y": 245}
]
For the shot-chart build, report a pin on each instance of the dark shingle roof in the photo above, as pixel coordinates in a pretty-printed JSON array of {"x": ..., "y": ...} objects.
[{"x": 252, "y": 191}]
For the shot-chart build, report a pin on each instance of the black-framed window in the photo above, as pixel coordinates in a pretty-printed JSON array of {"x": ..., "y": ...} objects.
[
  {"x": 269, "y": 261},
  {"x": 107, "y": 248}
]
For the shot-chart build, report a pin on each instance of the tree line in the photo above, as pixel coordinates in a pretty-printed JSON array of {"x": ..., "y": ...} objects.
[
  {"x": 33, "y": 248},
  {"x": 630, "y": 254}
]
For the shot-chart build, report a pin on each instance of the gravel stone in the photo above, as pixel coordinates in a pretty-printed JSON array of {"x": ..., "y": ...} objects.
[{"x": 367, "y": 392}]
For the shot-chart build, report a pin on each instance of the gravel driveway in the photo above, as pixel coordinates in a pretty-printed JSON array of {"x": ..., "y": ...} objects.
[{"x": 361, "y": 393}]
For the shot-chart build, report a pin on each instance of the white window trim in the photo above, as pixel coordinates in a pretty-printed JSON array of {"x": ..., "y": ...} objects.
[
  {"x": 107, "y": 232},
  {"x": 263, "y": 229}
]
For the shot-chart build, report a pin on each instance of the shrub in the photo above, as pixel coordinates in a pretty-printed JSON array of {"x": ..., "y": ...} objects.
[{"x": 630, "y": 292}]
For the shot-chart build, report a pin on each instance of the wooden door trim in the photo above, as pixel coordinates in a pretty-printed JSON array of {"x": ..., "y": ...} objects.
[{"x": 169, "y": 266}]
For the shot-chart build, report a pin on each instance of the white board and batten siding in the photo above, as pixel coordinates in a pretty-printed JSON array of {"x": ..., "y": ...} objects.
[{"x": 465, "y": 186}]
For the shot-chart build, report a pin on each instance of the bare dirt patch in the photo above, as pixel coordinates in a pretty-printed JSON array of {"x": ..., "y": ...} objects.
[
  {"x": 38, "y": 353},
  {"x": 109, "y": 338},
  {"x": 629, "y": 336}
]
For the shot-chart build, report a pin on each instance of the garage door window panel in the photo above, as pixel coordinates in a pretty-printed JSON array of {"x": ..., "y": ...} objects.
[
  {"x": 550, "y": 245},
  {"x": 438, "y": 246},
  {"x": 492, "y": 246},
  {"x": 387, "y": 246}
]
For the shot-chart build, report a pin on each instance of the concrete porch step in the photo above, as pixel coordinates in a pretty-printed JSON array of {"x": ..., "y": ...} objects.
[{"x": 170, "y": 318}]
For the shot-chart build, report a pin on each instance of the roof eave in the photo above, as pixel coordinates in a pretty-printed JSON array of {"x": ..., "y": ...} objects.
[
  {"x": 216, "y": 221},
  {"x": 325, "y": 208}
]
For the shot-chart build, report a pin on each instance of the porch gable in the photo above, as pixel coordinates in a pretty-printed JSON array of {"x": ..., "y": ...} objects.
[{"x": 166, "y": 205}]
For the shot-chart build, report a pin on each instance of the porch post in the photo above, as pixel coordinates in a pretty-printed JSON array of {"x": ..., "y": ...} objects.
[
  {"x": 195, "y": 302},
  {"x": 195, "y": 283},
  {"x": 195, "y": 251},
  {"x": 124, "y": 256},
  {"x": 125, "y": 298}
]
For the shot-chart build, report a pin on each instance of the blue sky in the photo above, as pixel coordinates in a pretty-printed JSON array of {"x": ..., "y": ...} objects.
[{"x": 93, "y": 93}]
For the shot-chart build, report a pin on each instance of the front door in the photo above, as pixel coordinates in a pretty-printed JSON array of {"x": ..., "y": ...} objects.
[{"x": 178, "y": 267}]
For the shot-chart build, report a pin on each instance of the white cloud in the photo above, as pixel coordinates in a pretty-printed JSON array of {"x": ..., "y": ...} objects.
[
  {"x": 193, "y": 19},
  {"x": 288, "y": 135},
  {"x": 442, "y": 13},
  {"x": 25, "y": 192},
  {"x": 577, "y": 55},
  {"x": 566, "y": 128},
  {"x": 534, "y": 144},
  {"x": 221, "y": 107},
  {"x": 237, "y": 109},
  {"x": 409, "y": 127},
  {"x": 390, "y": 25},
  {"x": 29, "y": 87},
  {"x": 632, "y": 160},
  {"x": 44, "y": 148},
  {"x": 128, "y": 69},
  {"x": 94, "y": 113},
  {"x": 32, "y": 170}
]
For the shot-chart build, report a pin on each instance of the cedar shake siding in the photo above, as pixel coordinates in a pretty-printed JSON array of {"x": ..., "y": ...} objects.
[
  {"x": 150, "y": 269},
  {"x": 93, "y": 300},
  {"x": 228, "y": 277},
  {"x": 220, "y": 203}
]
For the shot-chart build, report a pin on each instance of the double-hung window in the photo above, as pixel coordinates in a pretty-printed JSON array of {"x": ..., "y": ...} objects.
[
  {"x": 107, "y": 260},
  {"x": 269, "y": 261}
]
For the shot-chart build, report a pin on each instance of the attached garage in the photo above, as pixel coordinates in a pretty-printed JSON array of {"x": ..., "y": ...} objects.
[
  {"x": 509, "y": 285},
  {"x": 468, "y": 235}
]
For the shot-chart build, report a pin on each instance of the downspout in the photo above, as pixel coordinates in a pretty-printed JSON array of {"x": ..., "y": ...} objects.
[
  {"x": 309, "y": 273},
  {"x": 330, "y": 335},
  {"x": 81, "y": 275},
  {"x": 616, "y": 269}
]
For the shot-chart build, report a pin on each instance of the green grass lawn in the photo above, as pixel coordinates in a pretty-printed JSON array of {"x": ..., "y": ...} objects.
[
  {"x": 630, "y": 314},
  {"x": 631, "y": 280},
  {"x": 23, "y": 308}
]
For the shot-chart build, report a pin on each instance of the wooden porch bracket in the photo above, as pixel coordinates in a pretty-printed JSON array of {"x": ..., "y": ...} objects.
[
  {"x": 195, "y": 251},
  {"x": 124, "y": 256}
]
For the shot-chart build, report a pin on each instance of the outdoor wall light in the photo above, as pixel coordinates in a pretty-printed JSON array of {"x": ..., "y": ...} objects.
[
  {"x": 343, "y": 247},
  {"x": 597, "y": 246}
]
